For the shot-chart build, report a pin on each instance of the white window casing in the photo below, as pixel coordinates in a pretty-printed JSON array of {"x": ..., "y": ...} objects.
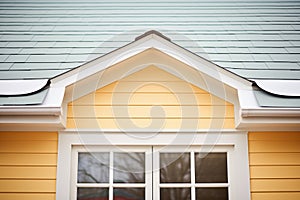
[{"x": 235, "y": 143}]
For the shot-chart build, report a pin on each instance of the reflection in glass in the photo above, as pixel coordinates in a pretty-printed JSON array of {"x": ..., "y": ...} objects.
[
  {"x": 211, "y": 194},
  {"x": 211, "y": 167},
  {"x": 175, "y": 168},
  {"x": 175, "y": 193},
  {"x": 93, "y": 167},
  {"x": 129, "y": 167},
  {"x": 92, "y": 194},
  {"x": 129, "y": 194}
]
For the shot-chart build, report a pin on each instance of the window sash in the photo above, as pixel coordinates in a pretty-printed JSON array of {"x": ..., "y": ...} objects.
[
  {"x": 193, "y": 185},
  {"x": 111, "y": 185}
]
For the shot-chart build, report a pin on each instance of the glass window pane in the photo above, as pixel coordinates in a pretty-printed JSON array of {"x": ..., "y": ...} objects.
[
  {"x": 129, "y": 167},
  {"x": 93, "y": 167},
  {"x": 211, "y": 167},
  {"x": 129, "y": 194},
  {"x": 175, "y": 193},
  {"x": 92, "y": 194},
  {"x": 175, "y": 168},
  {"x": 211, "y": 194}
]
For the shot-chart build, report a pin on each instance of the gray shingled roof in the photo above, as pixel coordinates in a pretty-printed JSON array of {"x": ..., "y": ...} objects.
[
  {"x": 258, "y": 39},
  {"x": 255, "y": 39}
]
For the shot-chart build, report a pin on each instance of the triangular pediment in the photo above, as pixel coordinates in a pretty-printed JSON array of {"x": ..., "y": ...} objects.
[{"x": 162, "y": 61}]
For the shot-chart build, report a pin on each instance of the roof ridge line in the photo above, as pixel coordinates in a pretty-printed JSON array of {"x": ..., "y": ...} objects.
[{"x": 152, "y": 32}]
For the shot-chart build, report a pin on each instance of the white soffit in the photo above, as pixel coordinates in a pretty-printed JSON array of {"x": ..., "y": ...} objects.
[
  {"x": 21, "y": 87},
  {"x": 280, "y": 87}
]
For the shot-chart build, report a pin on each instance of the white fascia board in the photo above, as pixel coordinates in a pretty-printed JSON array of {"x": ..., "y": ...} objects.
[
  {"x": 280, "y": 87},
  {"x": 250, "y": 107},
  {"x": 51, "y": 105},
  {"x": 21, "y": 87},
  {"x": 269, "y": 124},
  {"x": 148, "y": 42},
  {"x": 31, "y": 123}
]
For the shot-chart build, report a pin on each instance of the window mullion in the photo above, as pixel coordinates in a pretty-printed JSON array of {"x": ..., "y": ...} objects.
[
  {"x": 155, "y": 171},
  {"x": 193, "y": 178},
  {"x": 111, "y": 175}
]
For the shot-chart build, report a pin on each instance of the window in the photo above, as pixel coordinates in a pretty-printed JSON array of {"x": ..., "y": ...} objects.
[
  {"x": 188, "y": 174},
  {"x": 111, "y": 173},
  {"x": 117, "y": 166},
  {"x": 203, "y": 175},
  {"x": 104, "y": 173}
]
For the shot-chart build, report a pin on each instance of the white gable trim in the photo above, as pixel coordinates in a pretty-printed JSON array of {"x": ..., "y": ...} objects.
[{"x": 149, "y": 42}]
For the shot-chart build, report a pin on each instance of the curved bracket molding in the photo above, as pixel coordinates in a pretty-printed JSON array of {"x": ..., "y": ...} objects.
[
  {"x": 290, "y": 88},
  {"x": 21, "y": 87}
]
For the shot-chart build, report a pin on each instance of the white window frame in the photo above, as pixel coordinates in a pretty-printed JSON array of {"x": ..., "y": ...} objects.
[{"x": 232, "y": 141}]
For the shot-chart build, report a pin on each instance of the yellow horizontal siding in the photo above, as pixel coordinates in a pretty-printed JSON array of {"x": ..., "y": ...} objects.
[
  {"x": 167, "y": 123},
  {"x": 28, "y": 163},
  {"x": 274, "y": 146},
  {"x": 274, "y": 159},
  {"x": 27, "y": 186},
  {"x": 275, "y": 172},
  {"x": 276, "y": 196},
  {"x": 27, "y": 196},
  {"x": 174, "y": 86},
  {"x": 275, "y": 185},
  {"x": 149, "y": 99},
  {"x": 21, "y": 159},
  {"x": 29, "y": 136},
  {"x": 24, "y": 172},
  {"x": 150, "y": 96},
  {"x": 145, "y": 111},
  {"x": 275, "y": 136},
  {"x": 28, "y": 146}
]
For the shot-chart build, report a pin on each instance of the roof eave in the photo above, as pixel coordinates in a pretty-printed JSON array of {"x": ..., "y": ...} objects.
[
  {"x": 271, "y": 112},
  {"x": 29, "y": 111}
]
